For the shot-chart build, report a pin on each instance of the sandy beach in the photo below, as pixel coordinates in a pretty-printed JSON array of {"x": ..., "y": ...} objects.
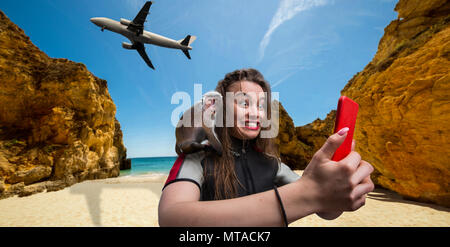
[{"x": 133, "y": 201}]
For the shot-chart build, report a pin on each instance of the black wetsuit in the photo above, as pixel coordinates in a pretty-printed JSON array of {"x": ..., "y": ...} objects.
[{"x": 255, "y": 172}]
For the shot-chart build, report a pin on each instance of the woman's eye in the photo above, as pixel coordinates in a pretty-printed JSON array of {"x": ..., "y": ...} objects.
[{"x": 243, "y": 103}]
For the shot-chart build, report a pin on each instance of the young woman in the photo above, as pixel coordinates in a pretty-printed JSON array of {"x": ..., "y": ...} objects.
[{"x": 248, "y": 185}]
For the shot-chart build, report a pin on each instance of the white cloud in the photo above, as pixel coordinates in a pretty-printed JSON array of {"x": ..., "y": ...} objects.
[
  {"x": 285, "y": 77},
  {"x": 286, "y": 11}
]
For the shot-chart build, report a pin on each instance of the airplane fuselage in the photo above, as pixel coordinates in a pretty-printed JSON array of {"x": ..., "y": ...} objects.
[{"x": 146, "y": 37}]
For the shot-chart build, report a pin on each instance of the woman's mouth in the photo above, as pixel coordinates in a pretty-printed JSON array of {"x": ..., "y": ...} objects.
[{"x": 251, "y": 125}]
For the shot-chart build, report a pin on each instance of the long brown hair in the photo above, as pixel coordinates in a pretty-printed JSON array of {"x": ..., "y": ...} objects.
[{"x": 223, "y": 174}]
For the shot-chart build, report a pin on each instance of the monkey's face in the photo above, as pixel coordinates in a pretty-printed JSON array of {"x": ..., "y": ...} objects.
[
  {"x": 211, "y": 102},
  {"x": 210, "y": 99}
]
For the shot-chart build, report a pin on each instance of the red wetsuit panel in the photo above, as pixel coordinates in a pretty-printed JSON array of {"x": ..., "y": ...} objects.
[{"x": 175, "y": 169}]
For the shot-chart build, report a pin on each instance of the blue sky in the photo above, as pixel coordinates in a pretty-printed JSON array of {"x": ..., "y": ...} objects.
[{"x": 306, "y": 49}]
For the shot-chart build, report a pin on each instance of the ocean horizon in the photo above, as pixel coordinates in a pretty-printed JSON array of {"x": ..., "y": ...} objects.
[{"x": 149, "y": 165}]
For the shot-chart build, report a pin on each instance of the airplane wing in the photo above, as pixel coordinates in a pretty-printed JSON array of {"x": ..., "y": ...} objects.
[
  {"x": 141, "y": 49},
  {"x": 137, "y": 24}
]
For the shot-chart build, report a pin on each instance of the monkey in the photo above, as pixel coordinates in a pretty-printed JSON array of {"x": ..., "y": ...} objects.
[{"x": 191, "y": 138}]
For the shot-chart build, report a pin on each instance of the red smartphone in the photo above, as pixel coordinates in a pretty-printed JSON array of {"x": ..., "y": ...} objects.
[{"x": 347, "y": 110}]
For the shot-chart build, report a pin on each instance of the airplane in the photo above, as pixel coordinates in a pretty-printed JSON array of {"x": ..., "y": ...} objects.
[{"x": 134, "y": 31}]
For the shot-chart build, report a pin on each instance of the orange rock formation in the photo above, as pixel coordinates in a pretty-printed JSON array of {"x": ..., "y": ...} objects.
[
  {"x": 57, "y": 120},
  {"x": 403, "y": 125}
]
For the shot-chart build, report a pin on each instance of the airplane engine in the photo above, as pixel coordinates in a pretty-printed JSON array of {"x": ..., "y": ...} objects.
[
  {"x": 125, "y": 21},
  {"x": 127, "y": 46}
]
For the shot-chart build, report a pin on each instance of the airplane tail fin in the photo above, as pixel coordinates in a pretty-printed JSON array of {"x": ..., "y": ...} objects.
[
  {"x": 188, "y": 40},
  {"x": 186, "y": 52}
]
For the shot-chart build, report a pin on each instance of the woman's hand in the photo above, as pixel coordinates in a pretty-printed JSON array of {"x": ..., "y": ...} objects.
[
  {"x": 338, "y": 186},
  {"x": 334, "y": 215}
]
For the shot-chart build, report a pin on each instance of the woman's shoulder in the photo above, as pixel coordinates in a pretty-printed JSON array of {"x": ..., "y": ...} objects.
[
  {"x": 187, "y": 167},
  {"x": 195, "y": 157}
]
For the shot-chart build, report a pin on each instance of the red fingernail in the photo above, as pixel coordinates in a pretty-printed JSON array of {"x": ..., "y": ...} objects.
[{"x": 343, "y": 131}]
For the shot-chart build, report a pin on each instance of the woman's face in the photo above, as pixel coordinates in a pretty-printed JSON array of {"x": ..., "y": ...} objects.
[{"x": 249, "y": 109}]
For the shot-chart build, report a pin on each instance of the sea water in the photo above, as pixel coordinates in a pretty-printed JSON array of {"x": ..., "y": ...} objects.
[{"x": 149, "y": 166}]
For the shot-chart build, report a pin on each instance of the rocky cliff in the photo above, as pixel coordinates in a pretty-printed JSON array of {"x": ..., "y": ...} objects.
[
  {"x": 403, "y": 125},
  {"x": 57, "y": 120},
  {"x": 404, "y": 98}
]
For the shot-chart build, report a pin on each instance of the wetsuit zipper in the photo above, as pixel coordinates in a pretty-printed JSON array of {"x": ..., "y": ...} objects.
[{"x": 246, "y": 170}]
